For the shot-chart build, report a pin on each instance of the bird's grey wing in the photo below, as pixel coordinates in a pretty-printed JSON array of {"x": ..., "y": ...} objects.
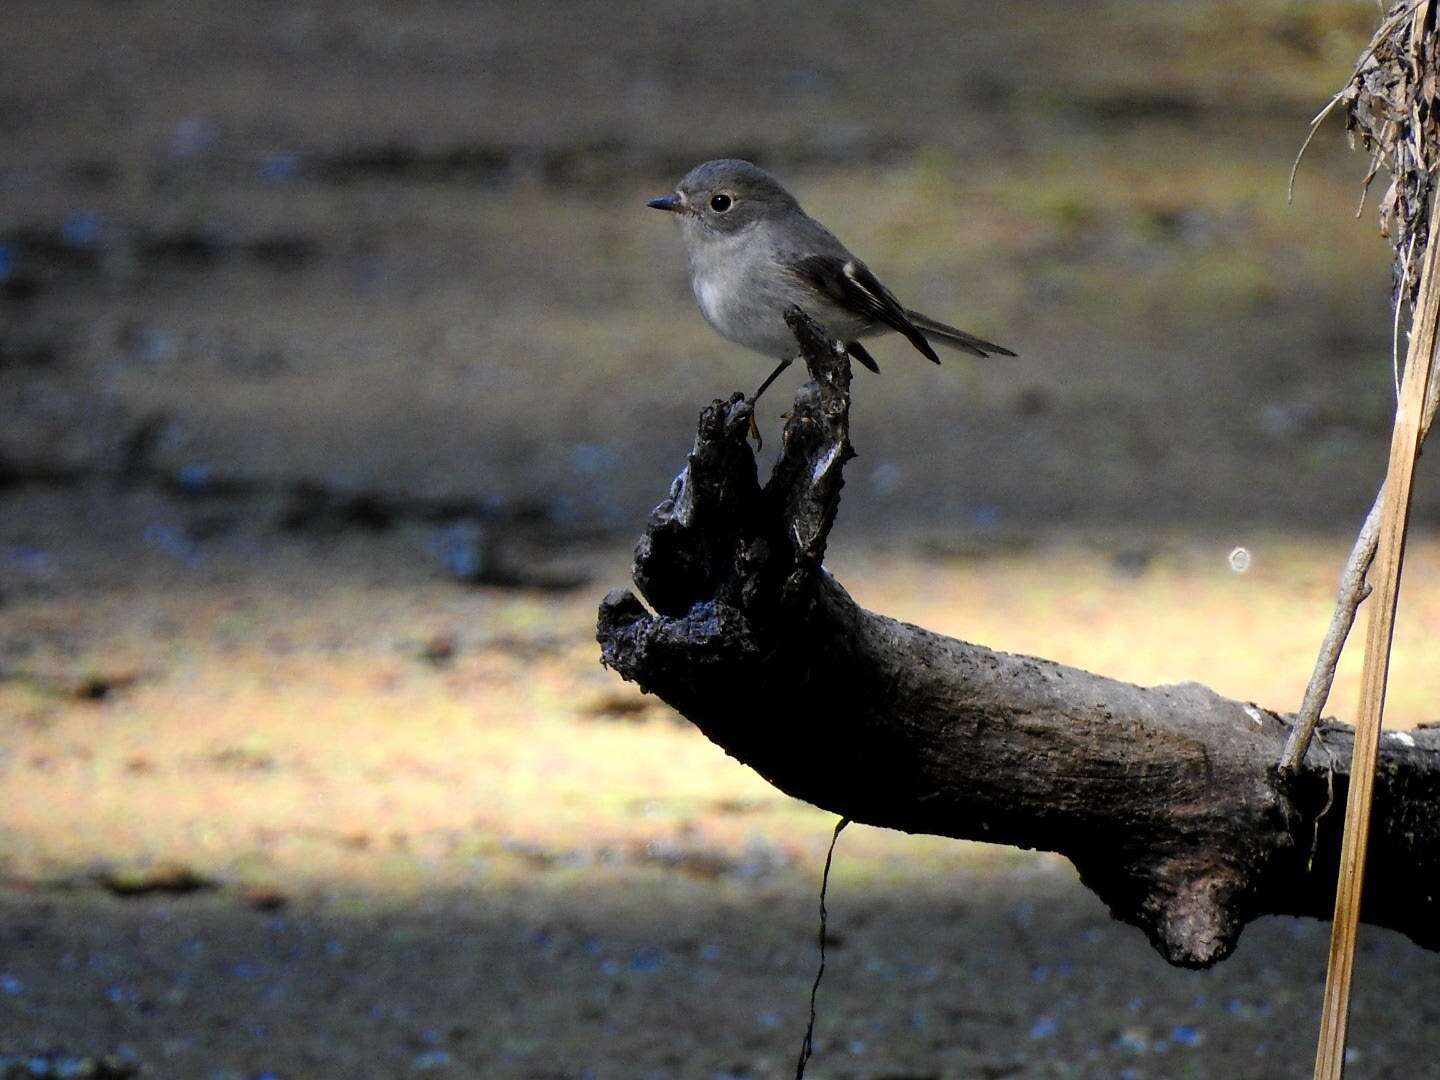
[{"x": 850, "y": 284}]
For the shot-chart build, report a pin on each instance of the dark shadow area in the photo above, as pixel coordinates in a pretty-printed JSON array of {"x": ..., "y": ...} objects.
[{"x": 1018, "y": 973}]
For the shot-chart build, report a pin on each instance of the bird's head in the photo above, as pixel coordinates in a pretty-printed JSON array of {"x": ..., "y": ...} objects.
[{"x": 724, "y": 197}]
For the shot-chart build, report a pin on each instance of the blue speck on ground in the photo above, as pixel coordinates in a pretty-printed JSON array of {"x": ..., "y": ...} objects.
[
  {"x": 459, "y": 549},
  {"x": 279, "y": 167},
  {"x": 646, "y": 960},
  {"x": 1044, "y": 1027},
  {"x": 30, "y": 559},
  {"x": 986, "y": 515},
  {"x": 1186, "y": 1035},
  {"x": 81, "y": 229},
  {"x": 193, "y": 479}
]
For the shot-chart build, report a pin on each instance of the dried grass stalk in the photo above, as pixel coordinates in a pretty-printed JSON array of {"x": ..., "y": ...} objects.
[{"x": 1391, "y": 104}]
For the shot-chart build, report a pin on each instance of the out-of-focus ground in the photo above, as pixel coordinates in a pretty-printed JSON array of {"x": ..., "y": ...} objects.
[
  {"x": 261, "y": 820},
  {"x": 405, "y": 248},
  {"x": 308, "y": 310}
]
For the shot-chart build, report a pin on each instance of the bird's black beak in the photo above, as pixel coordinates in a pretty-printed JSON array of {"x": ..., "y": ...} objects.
[{"x": 669, "y": 202}]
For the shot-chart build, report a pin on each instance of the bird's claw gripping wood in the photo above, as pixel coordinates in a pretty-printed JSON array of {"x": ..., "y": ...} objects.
[{"x": 754, "y": 429}]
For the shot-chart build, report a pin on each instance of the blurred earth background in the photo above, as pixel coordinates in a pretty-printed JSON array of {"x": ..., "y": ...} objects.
[{"x": 340, "y": 363}]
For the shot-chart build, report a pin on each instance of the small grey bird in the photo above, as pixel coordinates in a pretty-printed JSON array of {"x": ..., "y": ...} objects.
[{"x": 754, "y": 253}]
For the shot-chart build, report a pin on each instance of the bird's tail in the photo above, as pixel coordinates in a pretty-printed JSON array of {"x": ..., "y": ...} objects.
[{"x": 956, "y": 339}]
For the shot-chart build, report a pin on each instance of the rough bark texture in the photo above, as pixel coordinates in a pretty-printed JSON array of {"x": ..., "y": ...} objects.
[{"x": 1167, "y": 799}]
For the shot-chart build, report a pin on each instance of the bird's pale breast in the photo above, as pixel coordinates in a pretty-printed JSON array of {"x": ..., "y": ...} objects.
[{"x": 744, "y": 292}]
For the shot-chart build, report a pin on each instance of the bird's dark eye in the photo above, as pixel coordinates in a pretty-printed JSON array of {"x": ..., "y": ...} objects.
[{"x": 720, "y": 203}]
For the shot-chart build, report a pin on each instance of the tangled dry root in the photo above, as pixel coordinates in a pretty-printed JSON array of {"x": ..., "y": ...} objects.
[{"x": 1390, "y": 107}]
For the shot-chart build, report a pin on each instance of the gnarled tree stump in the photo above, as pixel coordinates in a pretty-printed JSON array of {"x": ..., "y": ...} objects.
[{"x": 1167, "y": 799}]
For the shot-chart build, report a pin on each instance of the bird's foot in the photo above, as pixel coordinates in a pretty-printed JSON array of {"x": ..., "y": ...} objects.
[{"x": 754, "y": 427}]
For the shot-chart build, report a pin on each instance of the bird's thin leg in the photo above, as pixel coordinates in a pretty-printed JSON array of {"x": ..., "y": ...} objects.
[
  {"x": 771, "y": 378},
  {"x": 754, "y": 428}
]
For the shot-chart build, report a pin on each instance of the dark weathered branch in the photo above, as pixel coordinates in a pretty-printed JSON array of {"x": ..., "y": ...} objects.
[{"x": 1167, "y": 799}]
